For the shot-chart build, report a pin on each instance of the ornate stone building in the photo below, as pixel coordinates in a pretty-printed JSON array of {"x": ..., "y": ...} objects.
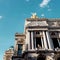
[{"x": 40, "y": 40}]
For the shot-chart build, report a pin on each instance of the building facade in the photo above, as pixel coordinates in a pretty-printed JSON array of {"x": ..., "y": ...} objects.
[{"x": 40, "y": 40}]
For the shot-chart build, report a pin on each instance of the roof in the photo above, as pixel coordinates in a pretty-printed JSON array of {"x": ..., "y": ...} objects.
[
  {"x": 43, "y": 19},
  {"x": 19, "y": 34}
]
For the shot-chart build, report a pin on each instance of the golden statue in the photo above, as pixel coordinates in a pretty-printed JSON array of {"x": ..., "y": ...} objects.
[{"x": 34, "y": 16}]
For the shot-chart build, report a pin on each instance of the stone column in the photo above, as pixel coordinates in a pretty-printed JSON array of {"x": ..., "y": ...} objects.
[
  {"x": 50, "y": 44},
  {"x": 32, "y": 40},
  {"x": 28, "y": 40},
  {"x": 16, "y": 45},
  {"x": 45, "y": 42}
]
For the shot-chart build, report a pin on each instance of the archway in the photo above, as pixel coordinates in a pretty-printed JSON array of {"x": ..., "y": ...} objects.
[{"x": 41, "y": 57}]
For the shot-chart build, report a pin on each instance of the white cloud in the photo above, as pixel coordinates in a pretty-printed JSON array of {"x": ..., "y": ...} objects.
[
  {"x": 42, "y": 15},
  {"x": 1, "y": 17},
  {"x": 44, "y": 3},
  {"x": 49, "y": 9},
  {"x": 27, "y": 0}
]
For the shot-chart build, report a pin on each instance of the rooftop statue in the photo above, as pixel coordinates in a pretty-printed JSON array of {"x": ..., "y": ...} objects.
[{"x": 34, "y": 16}]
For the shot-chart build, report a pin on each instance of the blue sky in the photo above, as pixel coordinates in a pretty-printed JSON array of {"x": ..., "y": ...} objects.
[{"x": 14, "y": 12}]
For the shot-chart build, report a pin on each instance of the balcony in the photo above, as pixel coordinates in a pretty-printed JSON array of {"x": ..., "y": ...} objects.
[{"x": 42, "y": 51}]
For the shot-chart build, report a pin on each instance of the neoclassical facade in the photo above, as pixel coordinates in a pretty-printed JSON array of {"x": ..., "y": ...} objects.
[{"x": 40, "y": 40}]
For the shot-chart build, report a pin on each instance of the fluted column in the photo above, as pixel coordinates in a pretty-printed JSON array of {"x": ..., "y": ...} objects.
[
  {"x": 50, "y": 44},
  {"x": 32, "y": 40},
  {"x": 45, "y": 42}
]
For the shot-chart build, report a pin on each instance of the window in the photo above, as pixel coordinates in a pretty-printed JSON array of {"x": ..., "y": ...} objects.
[
  {"x": 19, "y": 49},
  {"x": 38, "y": 42},
  {"x": 55, "y": 42}
]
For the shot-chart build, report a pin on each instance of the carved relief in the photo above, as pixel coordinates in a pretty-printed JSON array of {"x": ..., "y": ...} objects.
[{"x": 21, "y": 41}]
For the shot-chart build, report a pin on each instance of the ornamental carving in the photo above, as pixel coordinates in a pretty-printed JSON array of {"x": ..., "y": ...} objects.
[{"x": 21, "y": 41}]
